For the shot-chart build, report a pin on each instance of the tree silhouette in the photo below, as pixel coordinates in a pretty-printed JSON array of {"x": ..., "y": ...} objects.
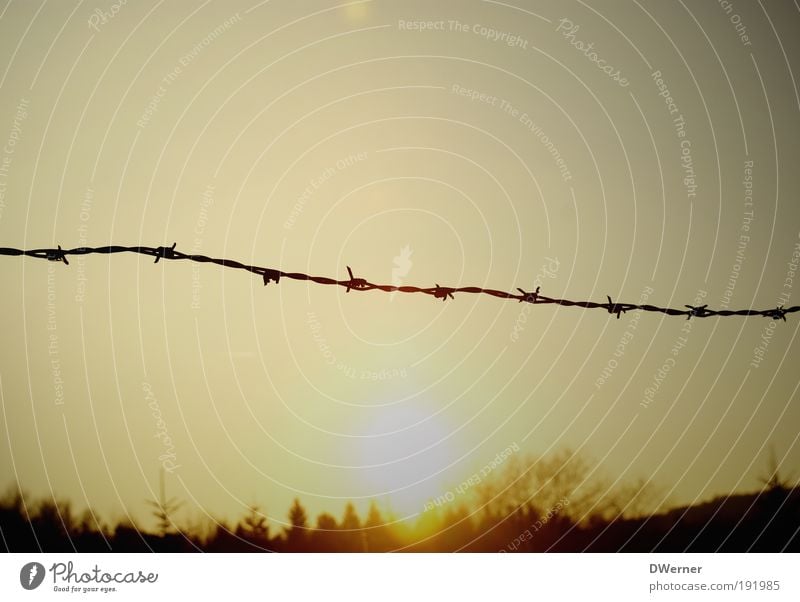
[
  {"x": 164, "y": 508},
  {"x": 297, "y": 533},
  {"x": 527, "y": 507},
  {"x": 773, "y": 480},
  {"x": 55, "y": 525},
  {"x": 253, "y": 527},
  {"x": 352, "y": 535},
  {"x": 377, "y": 534},
  {"x": 636, "y": 499},
  {"x": 325, "y": 537}
]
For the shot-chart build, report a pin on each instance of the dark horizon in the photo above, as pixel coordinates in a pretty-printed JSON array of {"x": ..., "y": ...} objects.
[{"x": 622, "y": 520}]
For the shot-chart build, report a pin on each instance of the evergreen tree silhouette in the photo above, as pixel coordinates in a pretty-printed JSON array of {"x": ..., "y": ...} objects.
[
  {"x": 326, "y": 537},
  {"x": 376, "y": 534},
  {"x": 352, "y": 535},
  {"x": 164, "y": 508},
  {"x": 253, "y": 527},
  {"x": 297, "y": 533}
]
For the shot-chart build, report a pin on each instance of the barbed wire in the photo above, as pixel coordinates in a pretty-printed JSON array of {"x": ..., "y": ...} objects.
[{"x": 445, "y": 293}]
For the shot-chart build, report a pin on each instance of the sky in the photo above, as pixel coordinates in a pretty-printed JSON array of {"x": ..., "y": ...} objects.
[{"x": 643, "y": 150}]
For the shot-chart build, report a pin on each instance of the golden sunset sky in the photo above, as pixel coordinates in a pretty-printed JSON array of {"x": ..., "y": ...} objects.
[{"x": 642, "y": 150}]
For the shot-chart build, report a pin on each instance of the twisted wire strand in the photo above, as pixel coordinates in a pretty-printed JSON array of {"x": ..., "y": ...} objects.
[{"x": 444, "y": 293}]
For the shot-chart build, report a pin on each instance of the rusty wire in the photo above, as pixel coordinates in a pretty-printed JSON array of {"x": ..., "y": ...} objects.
[{"x": 361, "y": 284}]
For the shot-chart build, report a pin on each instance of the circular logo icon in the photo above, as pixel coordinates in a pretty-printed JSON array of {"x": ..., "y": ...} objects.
[{"x": 31, "y": 575}]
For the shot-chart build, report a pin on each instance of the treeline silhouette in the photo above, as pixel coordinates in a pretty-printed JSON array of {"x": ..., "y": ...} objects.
[{"x": 551, "y": 504}]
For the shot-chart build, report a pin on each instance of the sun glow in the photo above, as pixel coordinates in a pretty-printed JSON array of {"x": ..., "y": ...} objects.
[{"x": 409, "y": 456}]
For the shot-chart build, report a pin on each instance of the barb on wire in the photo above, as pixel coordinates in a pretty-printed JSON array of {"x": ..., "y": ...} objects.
[
  {"x": 358, "y": 284},
  {"x": 617, "y": 308},
  {"x": 699, "y": 311},
  {"x": 777, "y": 314},
  {"x": 165, "y": 252},
  {"x": 271, "y": 276},
  {"x": 443, "y": 292},
  {"x": 361, "y": 284},
  {"x": 56, "y": 255},
  {"x": 529, "y": 297}
]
